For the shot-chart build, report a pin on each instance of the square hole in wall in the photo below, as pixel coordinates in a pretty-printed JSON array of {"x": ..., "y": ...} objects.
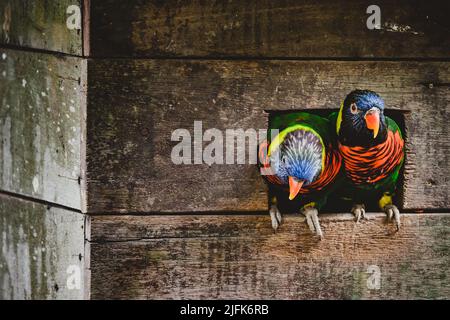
[{"x": 335, "y": 204}]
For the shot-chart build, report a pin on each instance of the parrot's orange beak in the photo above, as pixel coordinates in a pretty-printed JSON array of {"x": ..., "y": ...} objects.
[
  {"x": 372, "y": 118},
  {"x": 294, "y": 187}
]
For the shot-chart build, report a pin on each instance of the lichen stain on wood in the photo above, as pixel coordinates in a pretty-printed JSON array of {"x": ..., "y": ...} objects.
[
  {"x": 40, "y": 121},
  {"x": 38, "y": 244},
  {"x": 239, "y": 257},
  {"x": 40, "y": 25}
]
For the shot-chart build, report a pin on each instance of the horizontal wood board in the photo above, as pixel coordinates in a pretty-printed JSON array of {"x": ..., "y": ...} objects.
[
  {"x": 47, "y": 25},
  {"x": 42, "y": 248},
  {"x": 240, "y": 257},
  {"x": 135, "y": 105},
  {"x": 42, "y": 120},
  {"x": 268, "y": 29}
]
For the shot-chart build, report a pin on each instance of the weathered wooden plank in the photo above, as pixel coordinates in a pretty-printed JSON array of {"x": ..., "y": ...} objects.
[
  {"x": 239, "y": 257},
  {"x": 42, "y": 104},
  {"x": 135, "y": 105},
  {"x": 42, "y": 254},
  {"x": 50, "y": 25},
  {"x": 268, "y": 28}
]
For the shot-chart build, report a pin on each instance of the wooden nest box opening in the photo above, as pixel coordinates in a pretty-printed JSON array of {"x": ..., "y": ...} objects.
[{"x": 334, "y": 204}]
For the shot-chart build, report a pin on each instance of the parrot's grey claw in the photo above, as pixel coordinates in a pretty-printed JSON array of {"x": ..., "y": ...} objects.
[
  {"x": 275, "y": 216},
  {"x": 312, "y": 219},
  {"x": 392, "y": 212},
  {"x": 359, "y": 211}
]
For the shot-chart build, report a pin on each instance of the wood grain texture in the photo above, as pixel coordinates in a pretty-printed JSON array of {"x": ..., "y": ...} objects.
[
  {"x": 39, "y": 25},
  {"x": 41, "y": 126},
  {"x": 39, "y": 244},
  {"x": 239, "y": 257},
  {"x": 135, "y": 105},
  {"x": 268, "y": 28}
]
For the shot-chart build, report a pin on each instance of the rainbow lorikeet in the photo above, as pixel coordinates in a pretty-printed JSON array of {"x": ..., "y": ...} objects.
[
  {"x": 372, "y": 149},
  {"x": 301, "y": 162}
]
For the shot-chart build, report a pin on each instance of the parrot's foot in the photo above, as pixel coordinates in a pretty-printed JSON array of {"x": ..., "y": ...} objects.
[
  {"x": 393, "y": 212},
  {"x": 359, "y": 211},
  {"x": 312, "y": 219},
  {"x": 275, "y": 216}
]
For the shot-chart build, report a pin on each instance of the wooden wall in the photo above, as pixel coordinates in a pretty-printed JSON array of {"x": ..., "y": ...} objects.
[
  {"x": 132, "y": 115},
  {"x": 267, "y": 28},
  {"x": 98, "y": 151},
  {"x": 42, "y": 122},
  {"x": 42, "y": 153},
  {"x": 229, "y": 29},
  {"x": 41, "y": 25},
  {"x": 43, "y": 250},
  {"x": 240, "y": 257}
]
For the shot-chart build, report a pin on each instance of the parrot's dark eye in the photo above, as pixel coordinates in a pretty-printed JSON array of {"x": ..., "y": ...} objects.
[{"x": 354, "y": 108}]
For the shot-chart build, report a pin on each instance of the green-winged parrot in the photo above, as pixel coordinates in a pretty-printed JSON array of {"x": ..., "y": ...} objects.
[
  {"x": 372, "y": 149},
  {"x": 302, "y": 163}
]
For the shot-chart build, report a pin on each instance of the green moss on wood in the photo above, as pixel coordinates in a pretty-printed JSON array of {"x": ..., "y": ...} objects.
[
  {"x": 38, "y": 244},
  {"x": 40, "y": 126},
  {"x": 39, "y": 24}
]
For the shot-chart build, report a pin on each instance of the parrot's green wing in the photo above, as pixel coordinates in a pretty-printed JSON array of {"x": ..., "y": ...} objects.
[
  {"x": 392, "y": 126},
  {"x": 389, "y": 183},
  {"x": 317, "y": 123}
]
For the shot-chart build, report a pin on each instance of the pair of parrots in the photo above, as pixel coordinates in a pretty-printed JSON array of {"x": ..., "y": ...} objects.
[{"x": 355, "y": 153}]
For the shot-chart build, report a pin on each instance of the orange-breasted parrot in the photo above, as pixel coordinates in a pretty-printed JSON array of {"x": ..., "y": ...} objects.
[
  {"x": 372, "y": 149},
  {"x": 301, "y": 163}
]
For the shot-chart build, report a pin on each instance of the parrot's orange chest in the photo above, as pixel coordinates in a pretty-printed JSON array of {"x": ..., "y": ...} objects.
[{"x": 370, "y": 165}]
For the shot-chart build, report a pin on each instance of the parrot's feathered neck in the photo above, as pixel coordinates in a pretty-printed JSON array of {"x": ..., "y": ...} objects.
[
  {"x": 300, "y": 153},
  {"x": 303, "y": 151},
  {"x": 333, "y": 162}
]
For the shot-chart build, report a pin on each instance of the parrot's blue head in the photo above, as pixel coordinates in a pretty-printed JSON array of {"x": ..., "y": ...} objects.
[
  {"x": 298, "y": 160},
  {"x": 361, "y": 120}
]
